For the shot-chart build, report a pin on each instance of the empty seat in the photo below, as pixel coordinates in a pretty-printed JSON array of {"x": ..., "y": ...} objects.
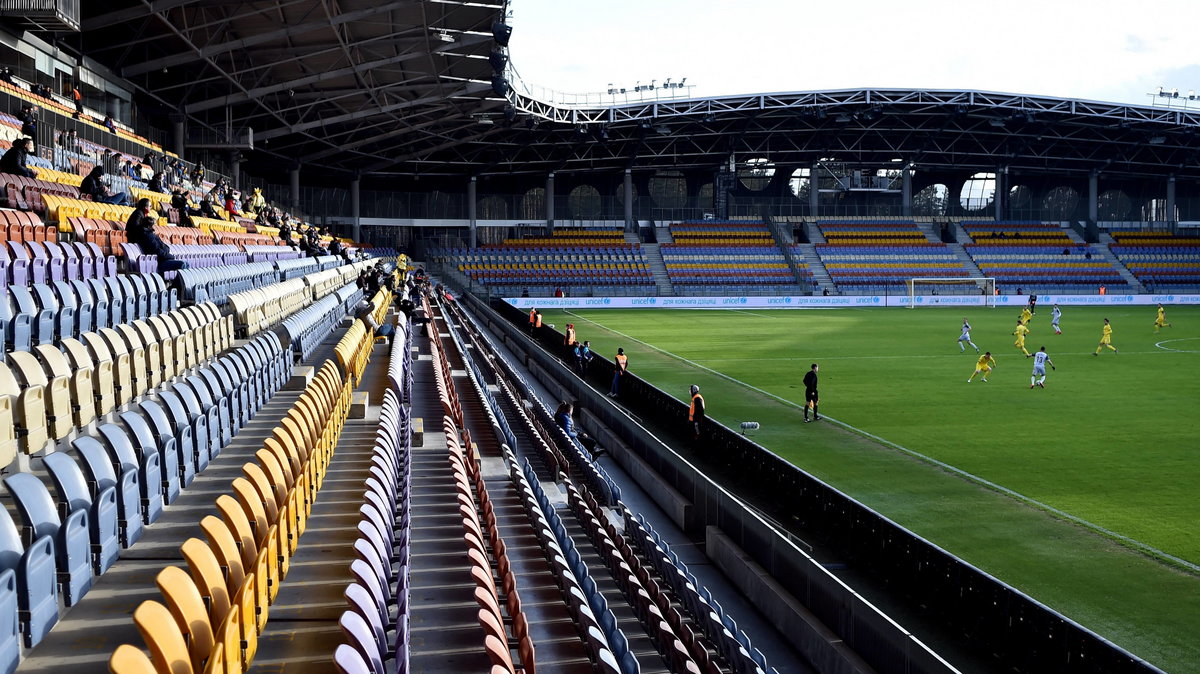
[
  {"x": 102, "y": 476},
  {"x": 72, "y": 541},
  {"x": 74, "y": 494},
  {"x": 146, "y": 462},
  {"x": 33, "y": 566}
]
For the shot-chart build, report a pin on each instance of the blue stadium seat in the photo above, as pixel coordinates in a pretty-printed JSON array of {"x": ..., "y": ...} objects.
[
  {"x": 72, "y": 540},
  {"x": 146, "y": 462},
  {"x": 74, "y": 495},
  {"x": 36, "y": 584}
]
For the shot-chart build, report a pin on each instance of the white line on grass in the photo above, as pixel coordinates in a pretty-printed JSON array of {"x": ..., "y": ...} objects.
[
  {"x": 1108, "y": 533},
  {"x": 743, "y": 311},
  {"x": 1168, "y": 341},
  {"x": 928, "y": 355}
]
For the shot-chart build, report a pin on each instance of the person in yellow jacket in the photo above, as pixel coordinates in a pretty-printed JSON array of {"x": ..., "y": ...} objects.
[
  {"x": 1020, "y": 332},
  {"x": 1105, "y": 338},
  {"x": 696, "y": 411},
  {"x": 621, "y": 365},
  {"x": 533, "y": 319}
]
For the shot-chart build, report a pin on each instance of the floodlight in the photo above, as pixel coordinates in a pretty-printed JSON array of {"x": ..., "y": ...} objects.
[
  {"x": 501, "y": 32},
  {"x": 499, "y": 85},
  {"x": 498, "y": 59},
  {"x": 1157, "y": 140}
]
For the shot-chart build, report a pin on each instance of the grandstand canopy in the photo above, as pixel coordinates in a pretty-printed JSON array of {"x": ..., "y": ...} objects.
[{"x": 404, "y": 88}]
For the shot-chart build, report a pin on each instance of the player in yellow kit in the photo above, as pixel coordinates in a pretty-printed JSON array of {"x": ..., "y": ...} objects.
[
  {"x": 983, "y": 366},
  {"x": 1020, "y": 332},
  {"x": 1161, "y": 321},
  {"x": 1105, "y": 339},
  {"x": 1026, "y": 315}
]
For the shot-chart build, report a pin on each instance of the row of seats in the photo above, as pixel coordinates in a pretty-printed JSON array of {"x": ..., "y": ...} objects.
[
  {"x": 45, "y": 313},
  {"x": 376, "y": 623},
  {"x": 1013, "y": 233},
  {"x": 116, "y": 481},
  {"x": 1159, "y": 259},
  {"x": 24, "y": 226},
  {"x": 258, "y": 308},
  {"x": 216, "y": 610},
  {"x": 303, "y": 331},
  {"x": 50, "y": 391},
  {"x": 25, "y": 262}
]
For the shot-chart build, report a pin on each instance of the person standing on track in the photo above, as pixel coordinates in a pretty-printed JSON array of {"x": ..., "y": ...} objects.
[
  {"x": 696, "y": 411},
  {"x": 810, "y": 393}
]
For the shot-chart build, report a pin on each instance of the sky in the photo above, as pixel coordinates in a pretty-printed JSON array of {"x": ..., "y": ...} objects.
[{"x": 1094, "y": 49}]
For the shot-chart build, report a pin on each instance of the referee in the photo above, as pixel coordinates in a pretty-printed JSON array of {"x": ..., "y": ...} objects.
[{"x": 810, "y": 394}]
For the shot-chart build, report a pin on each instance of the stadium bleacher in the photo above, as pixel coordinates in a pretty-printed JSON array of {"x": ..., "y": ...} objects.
[
  {"x": 1038, "y": 258},
  {"x": 572, "y": 259},
  {"x": 717, "y": 254},
  {"x": 1160, "y": 260},
  {"x": 880, "y": 256}
]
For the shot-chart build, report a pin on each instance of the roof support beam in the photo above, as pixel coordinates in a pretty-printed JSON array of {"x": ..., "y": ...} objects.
[
  {"x": 209, "y": 51},
  {"x": 425, "y": 100}
]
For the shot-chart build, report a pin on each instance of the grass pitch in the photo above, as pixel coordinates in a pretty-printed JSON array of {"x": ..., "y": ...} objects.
[{"x": 1082, "y": 494}]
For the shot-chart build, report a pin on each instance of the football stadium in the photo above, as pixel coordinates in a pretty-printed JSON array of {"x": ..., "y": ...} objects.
[{"x": 334, "y": 344}]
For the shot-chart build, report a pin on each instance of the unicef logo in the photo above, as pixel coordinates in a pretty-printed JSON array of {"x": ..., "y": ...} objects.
[
  {"x": 653, "y": 300},
  {"x": 742, "y": 300},
  {"x": 875, "y": 300},
  {"x": 1170, "y": 298},
  {"x": 787, "y": 300},
  {"x": 1129, "y": 298},
  {"x": 607, "y": 300},
  {"x": 920, "y": 300},
  {"x": 1004, "y": 299}
]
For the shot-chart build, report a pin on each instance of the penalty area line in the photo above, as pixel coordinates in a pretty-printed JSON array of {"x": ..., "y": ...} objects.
[{"x": 1132, "y": 543}]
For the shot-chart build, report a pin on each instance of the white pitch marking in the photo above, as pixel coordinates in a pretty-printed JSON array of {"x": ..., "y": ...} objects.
[
  {"x": 1182, "y": 339},
  {"x": 1133, "y": 543}
]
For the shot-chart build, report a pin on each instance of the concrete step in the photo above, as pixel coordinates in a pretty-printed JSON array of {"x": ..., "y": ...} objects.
[
  {"x": 966, "y": 259},
  {"x": 658, "y": 269},
  {"x": 1102, "y": 252}
]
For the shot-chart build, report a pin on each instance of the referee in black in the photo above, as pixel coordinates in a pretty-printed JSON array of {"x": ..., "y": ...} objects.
[{"x": 810, "y": 394}]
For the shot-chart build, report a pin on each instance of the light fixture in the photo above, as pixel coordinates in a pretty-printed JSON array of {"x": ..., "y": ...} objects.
[
  {"x": 445, "y": 37},
  {"x": 1157, "y": 140},
  {"x": 501, "y": 32}
]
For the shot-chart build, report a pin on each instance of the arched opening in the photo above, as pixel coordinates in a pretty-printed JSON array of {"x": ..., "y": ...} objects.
[
  {"x": 491, "y": 208},
  {"x": 669, "y": 189},
  {"x": 533, "y": 204},
  {"x": 1060, "y": 203},
  {"x": 1019, "y": 198},
  {"x": 584, "y": 202},
  {"x": 704, "y": 197},
  {"x": 1155, "y": 210},
  {"x": 978, "y": 192},
  {"x": 756, "y": 173},
  {"x": 1113, "y": 205},
  {"x": 931, "y": 200},
  {"x": 798, "y": 184}
]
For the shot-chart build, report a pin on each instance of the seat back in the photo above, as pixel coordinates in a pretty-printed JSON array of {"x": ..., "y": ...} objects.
[
  {"x": 187, "y": 607},
  {"x": 205, "y": 571},
  {"x": 35, "y": 505},
  {"x": 168, "y": 650},
  {"x": 37, "y": 595},
  {"x": 130, "y": 660}
]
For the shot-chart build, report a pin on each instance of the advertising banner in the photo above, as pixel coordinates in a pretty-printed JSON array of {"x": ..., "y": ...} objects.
[{"x": 838, "y": 301}]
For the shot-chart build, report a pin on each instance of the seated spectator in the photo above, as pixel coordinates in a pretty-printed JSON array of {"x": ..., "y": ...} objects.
[
  {"x": 231, "y": 204},
  {"x": 562, "y": 416},
  {"x": 206, "y": 210},
  {"x": 257, "y": 201},
  {"x": 139, "y": 229},
  {"x": 6, "y": 75},
  {"x": 14, "y": 161},
  {"x": 156, "y": 185},
  {"x": 110, "y": 123},
  {"x": 93, "y": 186},
  {"x": 28, "y": 119}
]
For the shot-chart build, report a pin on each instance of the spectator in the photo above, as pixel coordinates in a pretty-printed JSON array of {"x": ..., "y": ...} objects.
[
  {"x": 14, "y": 161},
  {"x": 78, "y": 98},
  {"x": 1066, "y": 251},
  {"x": 139, "y": 229},
  {"x": 365, "y": 312},
  {"x": 257, "y": 201},
  {"x": 197, "y": 175},
  {"x": 1087, "y": 254},
  {"x": 562, "y": 416},
  {"x": 130, "y": 171},
  {"x": 206, "y": 210},
  {"x": 558, "y": 292},
  {"x": 583, "y": 355},
  {"x": 93, "y": 186},
  {"x": 6, "y": 75},
  {"x": 231, "y": 204},
  {"x": 156, "y": 184},
  {"x": 28, "y": 119},
  {"x": 110, "y": 123}
]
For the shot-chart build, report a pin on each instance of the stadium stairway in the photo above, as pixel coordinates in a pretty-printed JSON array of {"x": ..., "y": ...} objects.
[
  {"x": 927, "y": 228},
  {"x": 1102, "y": 251},
  {"x": 972, "y": 268},
  {"x": 302, "y": 628},
  {"x": 820, "y": 275},
  {"x": 662, "y": 234},
  {"x": 658, "y": 268},
  {"x": 87, "y": 634}
]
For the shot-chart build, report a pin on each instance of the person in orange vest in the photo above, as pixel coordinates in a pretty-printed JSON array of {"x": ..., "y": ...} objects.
[
  {"x": 696, "y": 411},
  {"x": 533, "y": 314},
  {"x": 537, "y": 320},
  {"x": 569, "y": 338},
  {"x": 622, "y": 365},
  {"x": 1103, "y": 290}
]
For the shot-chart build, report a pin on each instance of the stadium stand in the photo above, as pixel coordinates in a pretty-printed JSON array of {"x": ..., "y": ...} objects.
[
  {"x": 1161, "y": 261},
  {"x": 879, "y": 256},
  {"x": 712, "y": 255},
  {"x": 578, "y": 261},
  {"x": 1038, "y": 258}
]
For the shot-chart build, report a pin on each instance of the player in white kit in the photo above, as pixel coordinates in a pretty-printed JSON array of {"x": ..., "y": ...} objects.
[
  {"x": 1040, "y": 359},
  {"x": 966, "y": 337},
  {"x": 1054, "y": 316}
]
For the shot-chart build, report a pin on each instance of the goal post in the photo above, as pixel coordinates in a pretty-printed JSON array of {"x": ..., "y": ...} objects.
[{"x": 926, "y": 287}]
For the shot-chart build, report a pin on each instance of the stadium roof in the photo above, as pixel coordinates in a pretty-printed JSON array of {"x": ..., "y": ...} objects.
[{"x": 404, "y": 88}]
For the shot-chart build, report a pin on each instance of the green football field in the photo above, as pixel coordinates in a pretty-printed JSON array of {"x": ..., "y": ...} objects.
[{"x": 1084, "y": 494}]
